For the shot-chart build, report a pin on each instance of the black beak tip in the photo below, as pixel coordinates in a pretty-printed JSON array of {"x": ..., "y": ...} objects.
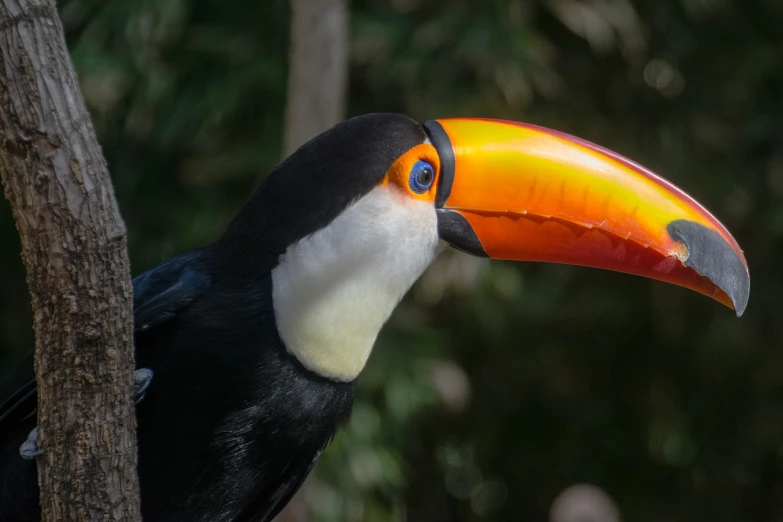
[{"x": 711, "y": 256}]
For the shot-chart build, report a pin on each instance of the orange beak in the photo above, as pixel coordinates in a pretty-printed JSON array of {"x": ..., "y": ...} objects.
[{"x": 515, "y": 191}]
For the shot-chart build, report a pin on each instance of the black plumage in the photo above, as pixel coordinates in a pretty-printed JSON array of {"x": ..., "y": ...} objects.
[{"x": 232, "y": 423}]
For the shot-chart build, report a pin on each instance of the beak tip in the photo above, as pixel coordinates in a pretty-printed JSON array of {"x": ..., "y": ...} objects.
[
  {"x": 740, "y": 300},
  {"x": 711, "y": 256}
]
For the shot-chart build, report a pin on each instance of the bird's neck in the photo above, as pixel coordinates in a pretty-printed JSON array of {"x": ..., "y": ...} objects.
[{"x": 334, "y": 289}]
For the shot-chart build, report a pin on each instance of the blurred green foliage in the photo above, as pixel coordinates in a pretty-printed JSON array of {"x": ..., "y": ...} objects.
[{"x": 495, "y": 385}]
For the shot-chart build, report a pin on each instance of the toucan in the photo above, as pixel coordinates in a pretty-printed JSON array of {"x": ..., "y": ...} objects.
[{"x": 249, "y": 348}]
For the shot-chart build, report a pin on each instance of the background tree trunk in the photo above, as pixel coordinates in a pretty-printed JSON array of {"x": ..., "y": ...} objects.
[
  {"x": 317, "y": 90},
  {"x": 318, "y": 69},
  {"x": 73, "y": 247}
]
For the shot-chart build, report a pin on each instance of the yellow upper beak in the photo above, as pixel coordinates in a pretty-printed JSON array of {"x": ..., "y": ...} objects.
[{"x": 516, "y": 191}]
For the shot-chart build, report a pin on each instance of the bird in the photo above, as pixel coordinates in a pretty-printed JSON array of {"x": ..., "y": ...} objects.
[{"x": 248, "y": 348}]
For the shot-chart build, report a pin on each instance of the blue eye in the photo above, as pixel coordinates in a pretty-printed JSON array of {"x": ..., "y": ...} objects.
[{"x": 422, "y": 176}]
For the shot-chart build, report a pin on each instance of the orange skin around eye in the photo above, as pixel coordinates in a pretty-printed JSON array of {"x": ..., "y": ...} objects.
[{"x": 398, "y": 175}]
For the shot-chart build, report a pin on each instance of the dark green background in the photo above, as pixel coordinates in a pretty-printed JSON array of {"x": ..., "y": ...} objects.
[{"x": 556, "y": 375}]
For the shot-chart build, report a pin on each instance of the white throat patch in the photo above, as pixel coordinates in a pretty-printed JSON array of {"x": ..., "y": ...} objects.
[{"x": 334, "y": 289}]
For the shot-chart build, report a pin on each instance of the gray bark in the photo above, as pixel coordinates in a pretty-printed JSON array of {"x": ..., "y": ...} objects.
[
  {"x": 74, "y": 251},
  {"x": 318, "y": 69}
]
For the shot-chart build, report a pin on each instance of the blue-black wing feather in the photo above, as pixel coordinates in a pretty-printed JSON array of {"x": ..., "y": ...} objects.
[{"x": 159, "y": 294}]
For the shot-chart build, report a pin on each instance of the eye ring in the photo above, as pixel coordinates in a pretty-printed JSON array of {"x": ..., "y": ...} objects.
[{"x": 421, "y": 177}]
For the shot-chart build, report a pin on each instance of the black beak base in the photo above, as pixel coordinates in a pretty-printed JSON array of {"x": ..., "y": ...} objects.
[{"x": 455, "y": 230}]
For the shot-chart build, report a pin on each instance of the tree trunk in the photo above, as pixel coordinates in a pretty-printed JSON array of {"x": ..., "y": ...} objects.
[
  {"x": 318, "y": 69},
  {"x": 73, "y": 247},
  {"x": 317, "y": 84}
]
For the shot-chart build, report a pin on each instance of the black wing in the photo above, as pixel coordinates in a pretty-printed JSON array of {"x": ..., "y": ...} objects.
[
  {"x": 17, "y": 394},
  {"x": 158, "y": 295}
]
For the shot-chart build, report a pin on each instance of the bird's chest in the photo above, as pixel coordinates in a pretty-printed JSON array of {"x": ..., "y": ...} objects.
[
  {"x": 238, "y": 446},
  {"x": 265, "y": 450},
  {"x": 233, "y": 422}
]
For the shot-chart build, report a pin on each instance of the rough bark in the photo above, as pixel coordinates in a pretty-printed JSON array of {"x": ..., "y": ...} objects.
[
  {"x": 318, "y": 69},
  {"x": 74, "y": 250}
]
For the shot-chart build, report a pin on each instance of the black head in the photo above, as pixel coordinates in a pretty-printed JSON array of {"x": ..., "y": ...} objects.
[{"x": 311, "y": 187}]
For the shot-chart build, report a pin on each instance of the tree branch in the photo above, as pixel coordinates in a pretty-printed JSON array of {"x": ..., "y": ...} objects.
[{"x": 74, "y": 251}]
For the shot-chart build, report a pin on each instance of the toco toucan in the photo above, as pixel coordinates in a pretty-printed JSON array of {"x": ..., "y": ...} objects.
[{"x": 254, "y": 343}]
